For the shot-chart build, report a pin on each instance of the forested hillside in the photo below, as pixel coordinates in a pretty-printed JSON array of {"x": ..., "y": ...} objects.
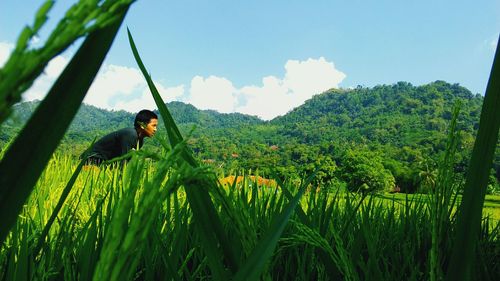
[
  {"x": 91, "y": 121},
  {"x": 389, "y": 137},
  {"x": 400, "y": 114}
]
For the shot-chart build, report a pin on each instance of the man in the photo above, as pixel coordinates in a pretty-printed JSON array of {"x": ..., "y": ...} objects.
[{"x": 120, "y": 142}]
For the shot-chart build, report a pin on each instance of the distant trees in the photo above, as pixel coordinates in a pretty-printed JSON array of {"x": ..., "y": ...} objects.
[
  {"x": 372, "y": 138},
  {"x": 363, "y": 171}
]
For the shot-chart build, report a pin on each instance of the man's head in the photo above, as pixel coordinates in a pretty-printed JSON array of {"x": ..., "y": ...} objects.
[{"x": 145, "y": 122}]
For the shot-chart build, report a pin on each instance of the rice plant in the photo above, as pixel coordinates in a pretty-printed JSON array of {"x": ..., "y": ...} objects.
[
  {"x": 165, "y": 216},
  {"x": 23, "y": 162}
]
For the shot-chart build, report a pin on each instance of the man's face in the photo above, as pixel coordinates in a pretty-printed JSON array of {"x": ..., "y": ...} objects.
[{"x": 150, "y": 129}]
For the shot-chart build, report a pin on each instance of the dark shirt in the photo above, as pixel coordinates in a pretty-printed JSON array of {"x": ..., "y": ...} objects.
[{"x": 115, "y": 144}]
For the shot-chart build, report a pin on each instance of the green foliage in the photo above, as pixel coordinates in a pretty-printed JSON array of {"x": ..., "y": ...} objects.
[
  {"x": 120, "y": 223},
  {"x": 187, "y": 115},
  {"x": 469, "y": 218},
  {"x": 443, "y": 199},
  {"x": 406, "y": 125},
  {"x": 493, "y": 186},
  {"x": 23, "y": 161},
  {"x": 25, "y": 64},
  {"x": 363, "y": 171}
]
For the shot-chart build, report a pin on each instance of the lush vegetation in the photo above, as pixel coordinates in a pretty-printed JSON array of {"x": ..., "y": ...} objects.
[
  {"x": 166, "y": 216},
  {"x": 333, "y": 236},
  {"x": 393, "y": 134}
]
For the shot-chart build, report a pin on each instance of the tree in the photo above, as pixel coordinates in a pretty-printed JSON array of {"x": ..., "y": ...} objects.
[
  {"x": 427, "y": 176},
  {"x": 363, "y": 171}
]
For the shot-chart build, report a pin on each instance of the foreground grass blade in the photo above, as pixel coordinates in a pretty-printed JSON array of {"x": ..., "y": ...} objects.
[
  {"x": 197, "y": 192},
  {"x": 27, "y": 62},
  {"x": 23, "y": 163},
  {"x": 300, "y": 212},
  {"x": 173, "y": 132},
  {"x": 255, "y": 264},
  {"x": 440, "y": 206},
  {"x": 469, "y": 218},
  {"x": 62, "y": 199}
]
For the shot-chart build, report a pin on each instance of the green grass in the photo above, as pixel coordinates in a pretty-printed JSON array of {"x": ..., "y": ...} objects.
[
  {"x": 169, "y": 219},
  {"x": 115, "y": 225},
  {"x": 491, "y": 205}
]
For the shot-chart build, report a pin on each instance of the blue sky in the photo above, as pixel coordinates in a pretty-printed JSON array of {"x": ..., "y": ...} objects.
[{"x": 266, "y": 57}]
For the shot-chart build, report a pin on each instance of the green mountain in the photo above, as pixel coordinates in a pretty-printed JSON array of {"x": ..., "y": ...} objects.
[
  {"x": 399, "y": 130},
  {"x": 91, "y": 121},
  {"x": 187, "y": 114},
  {"x": 404, "y": 125},
  {"x": 399, "y": 115}
]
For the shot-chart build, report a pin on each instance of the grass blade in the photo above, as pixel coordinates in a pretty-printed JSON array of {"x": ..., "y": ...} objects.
[
  {"x": 197, "y": 191},
  {"x": 62, "y": 199},
  {"x": 173, "y": 132},
  {"x": 254, "y": 265},
  {"x": 23, "y": 163},
  {"x": 469, "y": 218},
  {"x": 27, "y": 62}
]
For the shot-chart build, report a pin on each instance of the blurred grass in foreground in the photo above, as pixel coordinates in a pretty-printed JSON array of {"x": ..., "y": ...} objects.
[
  {"x": 152, "y": 232},
  {"x": 170, "y": 219}
]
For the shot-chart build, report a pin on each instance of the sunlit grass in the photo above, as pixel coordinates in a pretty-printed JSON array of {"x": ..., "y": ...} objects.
[
  {"x": 171, "y": 219},
  {"x": 491, "y": 206},
  {"x": 337, "y": 234}
]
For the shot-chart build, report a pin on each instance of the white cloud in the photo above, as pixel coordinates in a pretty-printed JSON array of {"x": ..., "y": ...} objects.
[
  {"x": 490, "y": 44},
  {"x": 42, "y": 84},
  {"x": 114, "y": 82},
  {"x": 307, "y": 78},
  {"x": 39, "y": 89},
  {"x": 115, "y": 87},
  {"x": 274, "y": 97},
  {"x": 56, "y": 66},
  {"x": 5, "y": 49},
  {"x": 212, "y": 93},
  {"x": 493, "y": 43},
  {"x": 302, "y": 80},
  {"x": 146, "y": 101},
  {"x": 124, "y": 88}
]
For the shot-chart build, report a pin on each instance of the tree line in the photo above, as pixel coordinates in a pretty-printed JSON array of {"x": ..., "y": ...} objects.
[{"x": 384, "y": 138}]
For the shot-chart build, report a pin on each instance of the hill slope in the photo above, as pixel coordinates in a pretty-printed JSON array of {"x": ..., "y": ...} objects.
[
  {"x": 91, "y": 121},
  {"x": 398, "y": 114},
  {"x": 401, "y": 125}
]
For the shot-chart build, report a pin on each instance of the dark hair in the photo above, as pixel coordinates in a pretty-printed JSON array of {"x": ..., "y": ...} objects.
[{"x": 143, "y": 117}]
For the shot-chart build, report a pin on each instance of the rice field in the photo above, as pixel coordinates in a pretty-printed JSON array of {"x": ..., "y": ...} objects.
[
  {"x": 129, "y": 224},
  {"x": 162, "y": 216}
]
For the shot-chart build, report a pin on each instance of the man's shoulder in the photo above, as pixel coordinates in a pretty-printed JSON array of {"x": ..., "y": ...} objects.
[
  {"x": 127, "y": 133},
  {"x": 130, "y": 131}
]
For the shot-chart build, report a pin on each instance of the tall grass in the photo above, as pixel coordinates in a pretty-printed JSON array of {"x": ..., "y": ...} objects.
[
  {"x": 469, "y": 218},
  {"x": 443, "y": 199},
  {"x": 163, "y": 216},
  {"x": 205, "y": 214},
  {"x": 23, "y": 162},
  {"x": 121, "y": 224}
]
